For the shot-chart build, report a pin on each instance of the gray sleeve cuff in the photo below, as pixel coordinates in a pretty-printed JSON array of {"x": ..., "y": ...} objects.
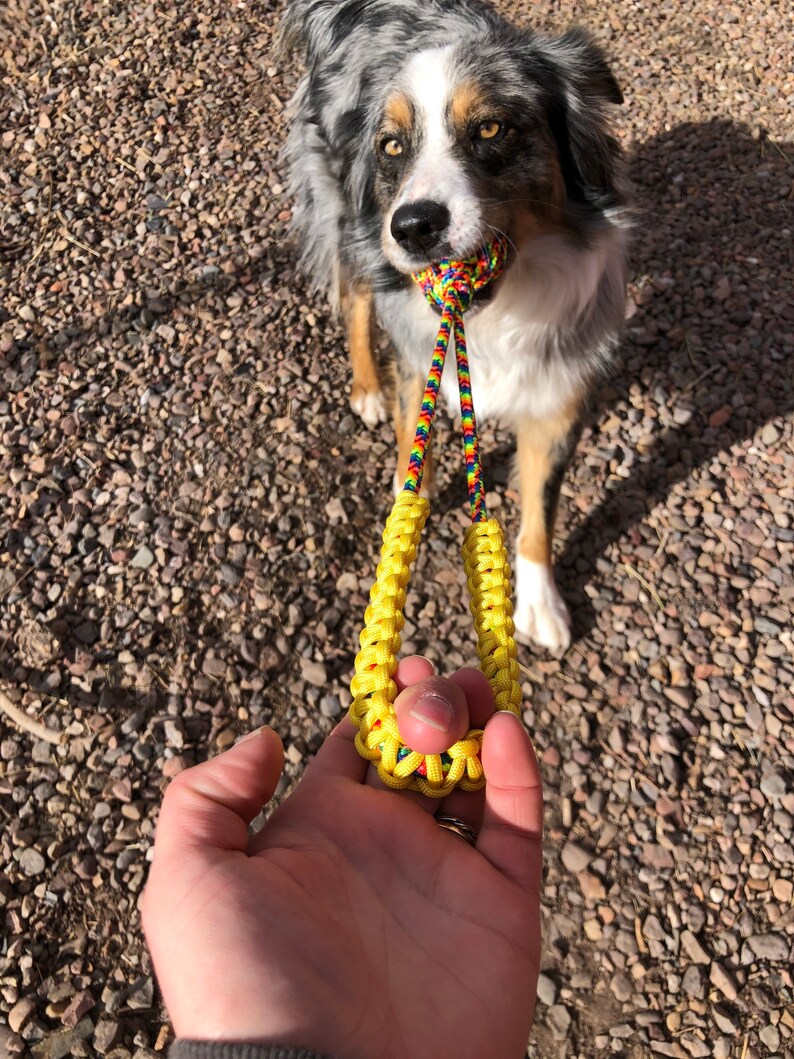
[{"x": 228, "y": 1050}]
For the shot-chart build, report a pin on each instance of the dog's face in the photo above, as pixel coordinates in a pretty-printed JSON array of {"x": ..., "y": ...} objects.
[{"x": 474, "y": 141}]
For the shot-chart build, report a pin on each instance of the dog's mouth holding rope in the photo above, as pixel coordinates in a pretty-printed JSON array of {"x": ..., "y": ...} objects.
[{"x": 473, "y": 278}]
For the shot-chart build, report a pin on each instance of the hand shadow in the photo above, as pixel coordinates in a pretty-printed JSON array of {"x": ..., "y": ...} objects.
[{"x": 709, "y": 346}]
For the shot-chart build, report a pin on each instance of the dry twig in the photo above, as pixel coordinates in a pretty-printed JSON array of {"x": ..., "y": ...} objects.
[{"x": 28, "y": 724}]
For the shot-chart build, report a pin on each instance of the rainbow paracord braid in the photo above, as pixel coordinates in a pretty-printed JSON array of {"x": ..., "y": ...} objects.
[{"x": 450, "y": 285}]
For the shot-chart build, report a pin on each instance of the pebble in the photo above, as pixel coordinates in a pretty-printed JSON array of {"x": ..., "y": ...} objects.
[
  {"x": 20, "y": 1013},
  {"x": 772, "y": 947},
  {"x": 693, "y": 982},
  {"x": 558, "y": 1019},
  {"x": 773, "y": 785},
  {"x": 547, "y": 990},
  {"x": 142, "y": 559},
  {"x": 593, "y": 888},
  {"x": 31, "y": 862},
  {"x": 314, "y": 672},
  {"x": 693, "y": 948},
  {"x": 770, "y": 1037},
  {"x": 724, "y": 981},
  {"x": 621, "y": 987},
  {"x": 576, "y": 857},
  {"x": 330, "y": 706}
]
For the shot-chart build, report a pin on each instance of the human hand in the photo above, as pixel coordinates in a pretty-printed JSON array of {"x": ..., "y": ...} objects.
[{"x": 353, "y": 924}]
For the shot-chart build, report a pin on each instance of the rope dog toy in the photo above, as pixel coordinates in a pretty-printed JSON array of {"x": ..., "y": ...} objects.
[{"x": 450, "y": 286}]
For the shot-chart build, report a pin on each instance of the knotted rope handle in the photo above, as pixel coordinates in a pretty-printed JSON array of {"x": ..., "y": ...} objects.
[{"x": 452, "y": 286}]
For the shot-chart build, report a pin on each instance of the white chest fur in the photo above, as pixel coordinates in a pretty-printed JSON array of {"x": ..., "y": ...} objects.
[{"x": 522, "y": 365}]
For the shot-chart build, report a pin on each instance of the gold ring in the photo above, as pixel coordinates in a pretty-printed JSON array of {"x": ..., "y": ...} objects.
[{"x": 457, "y": 827}]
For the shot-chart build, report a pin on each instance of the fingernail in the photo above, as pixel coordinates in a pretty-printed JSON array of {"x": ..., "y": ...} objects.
[
  {"x": 434, "y": 711},
  {"x": 256, "y": 731}
]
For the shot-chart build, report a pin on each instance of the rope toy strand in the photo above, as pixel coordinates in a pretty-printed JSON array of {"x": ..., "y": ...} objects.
[{"x": 450, "y": 286}]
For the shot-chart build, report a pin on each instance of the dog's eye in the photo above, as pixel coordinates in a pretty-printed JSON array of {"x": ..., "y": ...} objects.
[
  {"x": 392, "y": 147},
  {"x": 489, "y": 130}
]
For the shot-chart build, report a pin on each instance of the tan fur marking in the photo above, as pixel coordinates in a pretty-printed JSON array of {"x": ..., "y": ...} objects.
[
  {"x": 357, "y": 307},
  {"x": 399, "y": 114},
  {"x": 536, "y": 441},
  {"x": 468, "y": 102},
  {"x": 409, "y": 392}
]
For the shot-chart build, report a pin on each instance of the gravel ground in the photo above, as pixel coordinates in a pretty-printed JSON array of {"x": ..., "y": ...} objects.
[{"x": 189, "y": 517}]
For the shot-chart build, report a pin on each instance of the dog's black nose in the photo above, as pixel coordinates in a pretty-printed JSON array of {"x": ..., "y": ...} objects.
[{"x": 419, "y": 226}]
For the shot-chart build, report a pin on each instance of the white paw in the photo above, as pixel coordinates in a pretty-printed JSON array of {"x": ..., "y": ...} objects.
[
  {"x": 540, "y": 614},
  {"x": 370, "y": 405}
]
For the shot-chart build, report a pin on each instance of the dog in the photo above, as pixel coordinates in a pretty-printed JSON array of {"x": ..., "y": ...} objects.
[{"x": 423, "y": 129}]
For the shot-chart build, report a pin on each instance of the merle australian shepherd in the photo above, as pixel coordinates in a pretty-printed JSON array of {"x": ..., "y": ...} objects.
[{"x": 421, "y": 130}]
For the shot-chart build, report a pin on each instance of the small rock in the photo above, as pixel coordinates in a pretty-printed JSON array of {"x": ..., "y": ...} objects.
[
  {"x": 770, "y": 435},
  {"x": 770, "y": 1037},
  {"x": 172, "y": 766},
  {"x": 592, "y": 887},
  {"x": 59, "y": 1045},
  {"x": 576, "y": 857},
  {"x": 294, "y": 754},
  {"x": 668, "y": 1048},
  {"x": 726, "y": 1021},
  {"x": 593, "y": 930},
  {"x": 653, "y": 929},
  {"x": 695, "y": 1047},
  {"x": 106, "y": 1035},
  {"x": 724, "y": 981},
  {"x": 87, "y": 632},
  {"x": 772, "y": 947},
  {"x": 783, "y": 889},
  {"x": 773, "y": 785},
  {"x": 143, "y": 558},
  {"x": 79, "y": 1006},
  {"x": 314, "y": 672},
  {"x": 330, "y": 706},
  {"x": 655, "y": 856},
  {"x": 551, "y": 757},
  {"x": 547, "y": 990},
  {"x": 693, "y": 982},
  {"x": 693, "y": 949},
  {"x": 213, "y": 666},
  {"x": 20, "y": 1013},
  {"x": 621, "y": 987},
  {"x": 142, "y": 994},
  {"x": 230, "y": 574},
  {"x": 31, "y": 862},
  {"x": 558, "y": 1019}
]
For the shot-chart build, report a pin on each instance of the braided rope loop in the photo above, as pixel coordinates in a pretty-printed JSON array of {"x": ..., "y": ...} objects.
[
  {"x": 450, "y": 286},
  {"x": 488, "y": 579},
  {"x": 373, "y": 687}
]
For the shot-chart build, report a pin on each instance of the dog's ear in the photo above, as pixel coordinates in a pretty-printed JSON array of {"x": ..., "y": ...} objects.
[
  {"x": 585, "y": 66},
  {"x": 582, "y": 86}
]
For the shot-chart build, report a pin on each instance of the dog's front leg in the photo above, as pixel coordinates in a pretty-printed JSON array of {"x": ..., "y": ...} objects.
[
  {"x": 366, "y": 399},
  {"x": 544, "y": 448}
]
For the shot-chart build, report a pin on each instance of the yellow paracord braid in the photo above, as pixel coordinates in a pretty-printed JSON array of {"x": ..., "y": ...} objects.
[
  {"x": 449, "y": 285},
  {"x": 373, "y": 687}
]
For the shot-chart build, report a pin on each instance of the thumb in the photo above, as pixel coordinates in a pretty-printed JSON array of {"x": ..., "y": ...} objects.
[
  {"x": 432, "y": 715},
  {"x": 210, "y": 806}
]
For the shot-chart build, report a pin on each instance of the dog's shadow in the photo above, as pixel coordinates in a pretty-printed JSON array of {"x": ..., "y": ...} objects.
[{"x": 707, "y": 349}]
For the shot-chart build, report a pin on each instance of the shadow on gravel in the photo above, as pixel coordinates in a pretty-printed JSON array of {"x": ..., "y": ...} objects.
[{"x": 712, "y": 260}]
